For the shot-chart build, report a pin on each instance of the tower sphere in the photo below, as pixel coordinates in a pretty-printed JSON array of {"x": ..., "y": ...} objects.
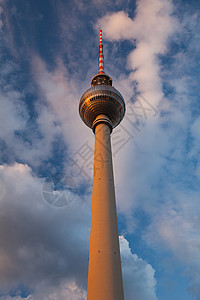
[{"x": 102, "y": 99}]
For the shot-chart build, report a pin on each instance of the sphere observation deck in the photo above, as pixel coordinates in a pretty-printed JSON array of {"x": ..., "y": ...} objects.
[{"x": 102, "y": 99}]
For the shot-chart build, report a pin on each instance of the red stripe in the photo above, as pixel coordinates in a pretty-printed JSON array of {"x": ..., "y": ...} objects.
[{"x": 101, "y": 57}]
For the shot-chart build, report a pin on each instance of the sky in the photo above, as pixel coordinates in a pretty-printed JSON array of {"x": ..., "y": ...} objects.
[{"x": 48, "y": 56}]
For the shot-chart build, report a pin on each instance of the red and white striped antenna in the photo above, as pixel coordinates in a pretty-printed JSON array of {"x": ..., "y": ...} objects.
[{"x": 101, "y": 57}]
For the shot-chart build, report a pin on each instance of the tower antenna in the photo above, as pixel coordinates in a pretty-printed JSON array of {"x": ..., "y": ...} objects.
[{"x": 101, "y": 57}]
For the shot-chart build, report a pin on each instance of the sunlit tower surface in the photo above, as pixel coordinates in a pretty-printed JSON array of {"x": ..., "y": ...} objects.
[{"x": 102, "y": 108}]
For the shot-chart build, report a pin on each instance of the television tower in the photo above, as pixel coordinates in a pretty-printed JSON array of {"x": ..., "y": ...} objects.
[{"x": 102, "y": 108}]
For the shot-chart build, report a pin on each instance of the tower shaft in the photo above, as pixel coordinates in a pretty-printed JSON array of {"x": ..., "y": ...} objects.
[{"x": 104, "y": 275}]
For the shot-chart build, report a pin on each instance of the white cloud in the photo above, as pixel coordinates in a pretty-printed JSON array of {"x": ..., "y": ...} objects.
[
  {"x": 159, "y": 168},
  {"x": 24, "y": 140},
  {"x": 66, "y": 290},
  {"x": 37, "y": 144},
  {"x": 150, "y": 32},
  {"x": 117, "y": 26},
  {"x": 61, "y": 94},
  {"x": 46, "y": 249},
  {"x": 138, "y": 275},
  {"x": 151, "y": 29},
  {"x": 41, "y": 246}
]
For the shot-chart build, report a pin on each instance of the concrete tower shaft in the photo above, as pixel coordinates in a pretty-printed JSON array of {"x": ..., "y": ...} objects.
[
  {"x": 104, "y": 274},
  {"x": 102, "y": 108}
]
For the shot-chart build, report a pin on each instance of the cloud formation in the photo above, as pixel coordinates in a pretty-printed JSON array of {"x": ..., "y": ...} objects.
[
  {"x": 138, "y": 275},
  {"x": 150, "y": 30},
  {"x": 46, "y": 248},
  {"x": 43, "y": 246},
  {"x": 60, "y": 92},
  {"x": 163, "y": 179}
]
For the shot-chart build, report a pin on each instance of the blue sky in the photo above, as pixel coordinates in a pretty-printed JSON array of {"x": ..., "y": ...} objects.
[{"x": 49, "y": 54}]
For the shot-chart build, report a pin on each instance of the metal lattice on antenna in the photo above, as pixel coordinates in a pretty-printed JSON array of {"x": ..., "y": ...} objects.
[{"x": 101, "y": 57}]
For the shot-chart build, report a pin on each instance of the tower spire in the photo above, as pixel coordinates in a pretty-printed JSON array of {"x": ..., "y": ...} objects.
[{"x": 101, "y": 57}]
